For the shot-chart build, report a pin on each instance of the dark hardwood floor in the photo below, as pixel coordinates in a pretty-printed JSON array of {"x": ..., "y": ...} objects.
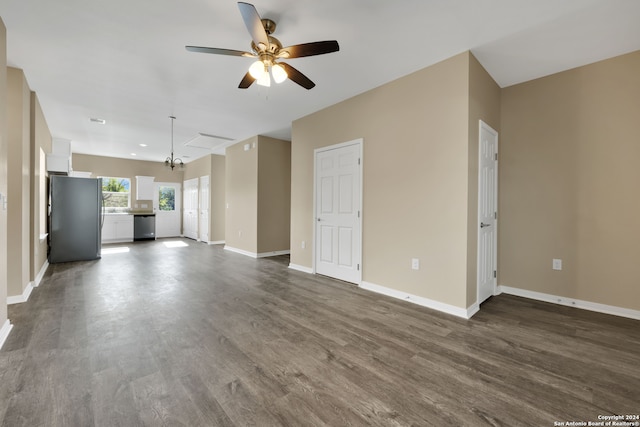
[{"x": 199, "y": 336}]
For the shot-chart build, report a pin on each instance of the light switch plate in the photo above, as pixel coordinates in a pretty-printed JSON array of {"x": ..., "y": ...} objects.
[{"x": 556, "y": 264}]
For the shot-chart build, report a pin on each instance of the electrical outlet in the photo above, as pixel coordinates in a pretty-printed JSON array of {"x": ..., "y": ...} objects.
[
  {"x": 556, "y": 264},
  {"x": 304, "y": 244},
  {"x": 415, "y": 264}
]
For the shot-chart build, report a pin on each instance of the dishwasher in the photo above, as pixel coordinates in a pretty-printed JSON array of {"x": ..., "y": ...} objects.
[{"x": 144, "y": 227}]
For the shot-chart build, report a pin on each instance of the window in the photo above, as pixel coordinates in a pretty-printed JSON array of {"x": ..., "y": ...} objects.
[
  {"x": 116, "y": 193},
  {"x": 167, "y": 198}
]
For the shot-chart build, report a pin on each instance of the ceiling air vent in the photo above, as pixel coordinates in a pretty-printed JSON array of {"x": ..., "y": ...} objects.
[{"x": 206, "y": 141}]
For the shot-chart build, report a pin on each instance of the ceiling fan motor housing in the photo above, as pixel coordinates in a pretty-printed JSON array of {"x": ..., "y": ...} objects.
[{"x": 269, "y": 25}]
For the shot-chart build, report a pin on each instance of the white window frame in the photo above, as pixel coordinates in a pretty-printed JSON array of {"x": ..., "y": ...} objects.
[{"x": 118, "y": 209}]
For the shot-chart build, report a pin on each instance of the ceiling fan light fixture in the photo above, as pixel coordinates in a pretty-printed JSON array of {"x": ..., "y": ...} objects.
[
  {"x": 267, "y": 49},
  {"x": 279, "y": 73},
  {"x": 264, "y": 80},
  {"x": 257, "y": 70}
]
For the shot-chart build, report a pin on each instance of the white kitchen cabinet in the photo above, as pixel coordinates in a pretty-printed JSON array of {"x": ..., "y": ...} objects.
[
  {"x": 144, "y": 187},
  {"x": 60, "y": 164},
  {"x": 117, "y": 228}
]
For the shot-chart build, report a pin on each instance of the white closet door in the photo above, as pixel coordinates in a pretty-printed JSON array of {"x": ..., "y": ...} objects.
[{"x": 338, "y": 204}]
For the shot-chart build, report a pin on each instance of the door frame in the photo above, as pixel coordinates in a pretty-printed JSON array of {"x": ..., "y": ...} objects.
[
  {"x": 187, "y": 183},
  {"x": 359, "y": 143},
  {"x": 178, "y": 201},
  {"x": 484, "y": 126},
  {"x": 200, "y": 207}
]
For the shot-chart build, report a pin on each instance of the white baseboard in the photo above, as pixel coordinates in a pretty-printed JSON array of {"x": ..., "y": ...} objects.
[
  {"x": 256, "y": 255},
  {"x": 273, "y": 253},
  {"x": 301, "y": 268},
  {"x": 216, "y": 242},
  {"x": 40, "y": 275},
  {"x": 17, "y": 299},
  {"x": 425, "y": 302},
  {"x": 473, "y": 309},
  {"x": 4, "y": 332},
  {"x": 571, "y": 302},
  {"x": 240, "y": 251}
]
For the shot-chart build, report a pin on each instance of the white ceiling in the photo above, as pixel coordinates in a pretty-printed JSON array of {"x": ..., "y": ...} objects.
[{"x": 124, "y": 60}]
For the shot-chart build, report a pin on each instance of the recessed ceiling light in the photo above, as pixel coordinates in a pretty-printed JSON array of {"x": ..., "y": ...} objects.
[
  {"x": 99, "y": 121},
  {"x": 133, "y": 154},
  {"x": 142, "y": 145}
]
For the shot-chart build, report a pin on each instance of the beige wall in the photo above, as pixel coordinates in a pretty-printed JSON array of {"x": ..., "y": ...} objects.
[
  {"x": 3, "y": 173},
  {"x": 415, "y": 190},
  {"x": 274, "y": 194},
  {"x": 126, "y": 168},
  {"x": 40, "y": 140},
  {"x": 241, "y": 183},
  {"x": 18, "y": 169},
  {"x": 197, "y": 168},
  {"x": 484, "y": 104},
  {"x": 569, "y": 178},
  {"x": 257, "y": 195},
  {"x": 214, "y": 167}
]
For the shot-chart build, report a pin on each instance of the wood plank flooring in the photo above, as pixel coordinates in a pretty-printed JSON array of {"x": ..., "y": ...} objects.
[{"x": 199, "y": 336}]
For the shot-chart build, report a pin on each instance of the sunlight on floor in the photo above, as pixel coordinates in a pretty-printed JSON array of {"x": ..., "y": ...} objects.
[
  {"x": 116, "y": 250},
  {"x": 176, "y": 244}
]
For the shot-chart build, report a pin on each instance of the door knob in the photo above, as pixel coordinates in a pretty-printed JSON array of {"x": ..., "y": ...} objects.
[{"x": 483, "y": 225}]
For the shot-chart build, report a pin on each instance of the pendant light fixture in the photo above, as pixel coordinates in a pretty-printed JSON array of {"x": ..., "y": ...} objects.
[{"x": 172, "y": 162}]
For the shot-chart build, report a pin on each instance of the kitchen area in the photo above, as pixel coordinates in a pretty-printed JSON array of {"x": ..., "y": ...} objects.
[
  {"x": 139, "y": 201},
  {"x": 103, "y": 201},
  {"x": 130, "y": 224},
  {"x": 86, "y": 212}
]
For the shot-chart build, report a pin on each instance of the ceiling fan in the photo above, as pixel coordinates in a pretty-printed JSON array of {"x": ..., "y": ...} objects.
[{"x": 268, "y": 51}]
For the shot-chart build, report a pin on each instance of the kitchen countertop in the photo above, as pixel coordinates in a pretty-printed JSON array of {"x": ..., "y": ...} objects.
[{"x": 131, "y": 213}]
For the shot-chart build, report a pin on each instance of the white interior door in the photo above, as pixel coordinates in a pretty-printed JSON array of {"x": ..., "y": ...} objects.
[
  {"x": 204, "y": 209},
  {"x": 166, "y": 204},
  {"x": 190, "y": 209},
  {"x": 487, "y": 212},
  {"x": 338, "y": 243}
]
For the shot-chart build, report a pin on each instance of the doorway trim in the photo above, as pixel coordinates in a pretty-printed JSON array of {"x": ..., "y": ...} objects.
[
  {"x": 359, "y": 143},
  {"x": 177, "y": 210},
  {"x": 484, "y": 126}
]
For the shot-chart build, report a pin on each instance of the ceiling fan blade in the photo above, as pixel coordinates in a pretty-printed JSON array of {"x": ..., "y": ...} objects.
[
  {"x": 309, "y": 49},
  {"x": 218, "y": 51},
  {"x": 254, "y": 24},
  {"x": 297, "y": 77},
  {"x": 246, "y": 81}
]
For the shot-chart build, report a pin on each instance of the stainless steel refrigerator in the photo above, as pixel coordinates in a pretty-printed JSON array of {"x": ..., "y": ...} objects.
[{"x": 75, "y": 218}]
